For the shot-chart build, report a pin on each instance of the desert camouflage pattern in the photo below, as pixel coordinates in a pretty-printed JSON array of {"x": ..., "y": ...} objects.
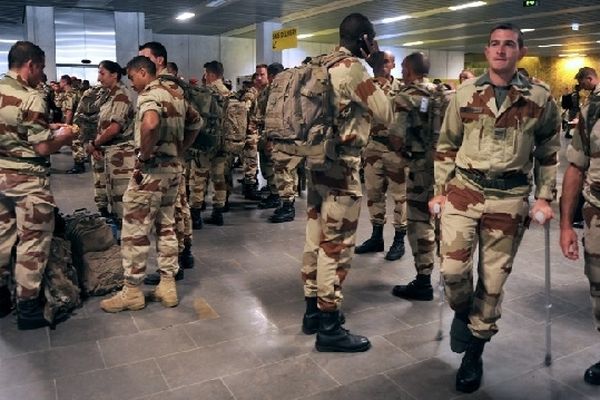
[
  {"x": 88, "y": 110},
  {"x": 99, "y": 176},
  {"x": 385, "y": 172},
  {"x": 591, "y": 234},
  {"x": 286, "y": 162},
  {"x": 250, "y": 151},
  {"x": 496, "y": 143},
  {"x": 183, "y": 217},
  {"x": 265, "y": 146},
  {"x": 67, "y": 101},
  {"x": 334, "y": 195},
  {"x": 26, "y": 202}
]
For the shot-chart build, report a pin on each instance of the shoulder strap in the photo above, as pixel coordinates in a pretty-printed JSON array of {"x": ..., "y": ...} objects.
[{"x": 593, "y": 115}]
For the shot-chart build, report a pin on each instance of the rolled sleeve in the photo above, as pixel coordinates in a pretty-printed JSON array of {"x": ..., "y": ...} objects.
[{"x": 35, "y": 120}]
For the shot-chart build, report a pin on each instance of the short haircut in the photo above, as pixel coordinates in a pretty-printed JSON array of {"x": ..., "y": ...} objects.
[
  {"x": 508, "y": 26},
  {"x": 274, "y": 69},
  {"x": 23, "y": 51},
  {"x": 214, "y": 67},
  {"x": 139, "y": 62},
  {"x": 173, "y": 66},
  {"x": 112, "y": 67},
  {"x": 354, "y": 26},
  {"x": 585, "y": 72},
  {"x": 157, "y": 50},
  {"x": 68, "y": 80},
  {"x": 262, "y": 66},
  {"x": 419, "y": 63}
]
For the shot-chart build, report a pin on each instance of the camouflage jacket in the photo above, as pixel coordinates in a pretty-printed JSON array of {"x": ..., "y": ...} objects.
[
  {"x": 250, "y": 97},
  {"x": 67, "y": 101},
  {"x": 584, "y": 150},
  {"x": 24, "y": 124},
  {"x": 478, "y": 136},
  {"x": 358, "y": 100},
  {"x": 220, "y": 88},
  {"x": 391, "y": 90},
  {"x": 88, "y": 109},
  {"x": 260, "y": 110},
  {"x": 118, "y": 108}
]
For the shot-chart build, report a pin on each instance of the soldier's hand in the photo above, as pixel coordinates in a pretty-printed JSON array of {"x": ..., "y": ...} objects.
[
  {"x": 89, "y": 148},
  {"x": 568, "y": 243},
  {"x": 541, "y": 206},
  {"x": 66, "y": 132},
  {"x": 97, "y": 154},
  {"x": 436, "y": 205}
]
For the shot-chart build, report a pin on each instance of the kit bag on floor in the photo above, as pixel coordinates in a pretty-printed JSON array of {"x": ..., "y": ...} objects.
[{"x": 102, "y": 271}]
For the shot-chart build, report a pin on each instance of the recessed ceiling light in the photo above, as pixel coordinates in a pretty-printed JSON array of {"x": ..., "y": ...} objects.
[
  {"x": 551, "y": 45},
  {"x": 527, "y": 30},
  {"x": 575, "y": 26},
  {"x": 215, "y": 3},
  {"x": 15, "y": 40},
  {"x": 185, "y": 16},
  {"x": 467, "y": 5},
  {"x": 413, "y": 43},
  {"x": 395, "y": 19},
  {"x": 305, "y": 35}
]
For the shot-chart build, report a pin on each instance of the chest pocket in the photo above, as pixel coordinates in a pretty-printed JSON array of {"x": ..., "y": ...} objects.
[{"x": 473, "y": 121}]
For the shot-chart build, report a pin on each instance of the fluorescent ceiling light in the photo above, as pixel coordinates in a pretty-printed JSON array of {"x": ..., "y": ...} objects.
[
  {"x": 551, "y": 45},
  {"x": 413, "y": 43},
  {"x": 185, "y": 16},
  {"x": 572, "y": 55},
  {"x": 8, "y": 40},
  {"x": 395, "y": 19},
  {"x": 467, "y": 5},
  {"x": 527, "y": 30},
  {"x": 215, "y": 3},
  {"x": 575, "y": 26},
  {"x": 306, "y": 35}
]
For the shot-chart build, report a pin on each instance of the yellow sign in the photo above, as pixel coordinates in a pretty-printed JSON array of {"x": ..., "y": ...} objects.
[{"x": 285, "y": 39}]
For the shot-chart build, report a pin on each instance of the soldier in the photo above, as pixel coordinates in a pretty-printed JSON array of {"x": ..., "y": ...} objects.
[
  {"x": 584, "y": 170},
  {"x": 211, "y": 164},
  {"x": 496, "y": 128},
  {"x": 113, "y": 145},
  {"x": 165, "y": 124},
  {"x": 384, "y": 169},
  {"x": 334, "y": 195},
  {"x": 465, "y": 74},
  {"x": 26, "y": 201},
  {"x": 417, "y": 122},
  {"x": 67, "y": 101},
  {"x": 172, "y": 68}
]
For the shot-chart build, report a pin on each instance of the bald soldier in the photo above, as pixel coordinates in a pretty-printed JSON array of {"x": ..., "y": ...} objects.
[{"x": 497, "y": 128}]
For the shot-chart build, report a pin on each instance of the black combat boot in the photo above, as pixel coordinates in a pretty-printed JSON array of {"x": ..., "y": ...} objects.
[
  {"x": 154, "y": 278},
  {"x": 397, "y": 248},
  {"x": 419, "y": 289},
  {"x": 272, "y": 201},
  {"x": 251, "y": 192},
  {"x": 592, "y": 374},
  {"x": 460, "y": 334},
  {"x": 310, "y": 321},
  {"x": 186, "y": 258},
  {"x": 286, "y": 213},
  {"x": 227, "y": 206},
  {"x": 30, "y": 314},
  {"x": 216, "y": 218},
  {"x": 468, "y": 377},
  {"x": 6, "y": 304},
  {"x": 374, "y": 243},
  {"x": 78, "y": 168},
  {"x": 196, "y": 218},
  {"x": 332, "y": 337},
  {"x": 104, "y": 213}
]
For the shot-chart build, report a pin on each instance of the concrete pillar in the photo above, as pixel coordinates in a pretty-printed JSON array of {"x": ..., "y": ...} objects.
[
  {"x": 264, "y": 43},
  {"x": 129, "y": 34},
  {"x": 39, "y": 22}
]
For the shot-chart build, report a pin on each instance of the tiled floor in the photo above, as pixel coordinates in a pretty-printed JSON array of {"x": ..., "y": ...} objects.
[{"x": 236, "y": 333}]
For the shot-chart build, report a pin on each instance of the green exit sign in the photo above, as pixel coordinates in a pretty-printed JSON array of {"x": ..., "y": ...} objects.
[{"x": 531, "y": 3}]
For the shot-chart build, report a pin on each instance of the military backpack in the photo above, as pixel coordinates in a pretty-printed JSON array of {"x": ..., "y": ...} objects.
[
  {"x": 234, "y": 125},
  {"x": 88, "y": 112}
]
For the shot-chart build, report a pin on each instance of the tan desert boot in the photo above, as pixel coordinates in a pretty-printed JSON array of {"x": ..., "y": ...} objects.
[
  {"x": 129, "y": 298},
  {"x": 166, "y": 292}
]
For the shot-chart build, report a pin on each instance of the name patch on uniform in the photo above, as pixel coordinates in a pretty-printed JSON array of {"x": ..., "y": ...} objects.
[
  {"x": 500, "y": 133},
  {"x": 424, "y": 105},
  {"x": 471, "y": 110}
]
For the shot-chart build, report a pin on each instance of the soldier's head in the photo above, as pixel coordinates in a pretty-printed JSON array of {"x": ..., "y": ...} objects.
[
  {"x": 65, "y": 82},
  {"x": 156, "y": 52},
  {"x": 141, "y": 71},
  {"x": 172, "y": 68},
  {"x": 213, "y": 71},
  {"x": 587, "y": 78},
  {"x": 85, "y": 85},
  {"x": 504, "y": 49},
  {"x": 109, "y": 73},
  {"x": 465, "y": 74},
  {"x": 352, "y": 31},
  {"x": 273, "y": 70},
  {"x": 28, "y": 60},
  {"x": 415, "y": 66},
  {"x": 261, "y": 80},
  {"x": 389, "y": 63}
]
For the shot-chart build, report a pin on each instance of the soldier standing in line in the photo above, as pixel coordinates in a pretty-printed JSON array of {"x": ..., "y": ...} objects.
[
  {"x": 385, "y": 172},
  {"x": 583, "y": 171},
  {"x": 67, "y": 101},
  {"x": 497, "y": 127},
  {"x": 334, "y": 195},
  {"x": 166, "y": 124},
  {"x": 417, "y": 122},
  {"x": 26, "y": 201}
]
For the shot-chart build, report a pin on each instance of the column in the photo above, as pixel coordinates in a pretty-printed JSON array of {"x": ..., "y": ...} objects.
[
  {"x": 264, "y": 43},
  {"x": 39, "y": 23},
  {"x": 130, "y": 33}
]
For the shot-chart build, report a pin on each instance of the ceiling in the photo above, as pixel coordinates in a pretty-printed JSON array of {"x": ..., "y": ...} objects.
[{"x": 431, "y": 21}]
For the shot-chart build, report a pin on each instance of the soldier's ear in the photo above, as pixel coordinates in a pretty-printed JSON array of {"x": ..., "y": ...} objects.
[{"x": 523, "y": 52}]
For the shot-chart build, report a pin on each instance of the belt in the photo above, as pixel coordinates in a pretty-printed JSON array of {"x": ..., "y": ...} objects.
[
  {"x": 38, "y": 161},
  {"x": 381, "y": 139},
  {"x": 504, "y": 182}
]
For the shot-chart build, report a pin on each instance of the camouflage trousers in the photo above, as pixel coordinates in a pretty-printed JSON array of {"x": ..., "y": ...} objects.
[
  {"x": 78, "y": 151},
  {"x": 385, "y": 172},
  {"x": 100, "y": 190},
  {"x": 250, "y": 158},
  {"x": 330, "y": 233},
  {"x": 591, "y": 243},
  {"x": 285, "y": 166},
  {"x": 203, "y": 167},
  {"x": 267, "y": 165},
  {"x": 119, "y": 163},
  {"x": 183, "y": 217},
  {"x": 472, "y": 215},
  {"x": 26, "y": 213},
  {"x": 150, "y": 204},
  {"x": 420, "y": 229}
]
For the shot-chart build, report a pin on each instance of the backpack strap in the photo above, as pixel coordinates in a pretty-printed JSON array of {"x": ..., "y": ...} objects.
[{"x": 593, "y": 115}]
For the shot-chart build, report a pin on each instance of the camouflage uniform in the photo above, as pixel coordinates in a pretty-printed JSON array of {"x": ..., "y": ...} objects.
[
  {"x": 99, "y": 176},
  {"x": 585, "y": 155},
  {"x": 285, "y": 165},
  {"x": 119, "y": 153},
  {"x": 150, "y": 198},
  {"x": 334, "y": 195},
  {"x": 484, "y": 157},
  {"x": 67, "y": 101},
  {"x": 207, "y": 165},
  {"x": 384, "y": 167},
  {"x": 265, "y": 153},
  {"x": 26, "y": 201},
  {"x": 250, "y": 152}
]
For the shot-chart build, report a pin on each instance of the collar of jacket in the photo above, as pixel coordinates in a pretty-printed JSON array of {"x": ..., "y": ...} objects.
[
  {"x": 518, "y": 81},
  {"x": 17, "y": 77}
]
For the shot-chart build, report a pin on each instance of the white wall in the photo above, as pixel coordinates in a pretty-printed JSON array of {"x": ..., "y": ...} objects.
[
  {"x": 294, "y": 57},
  {"x": 444, "y": 64}
]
